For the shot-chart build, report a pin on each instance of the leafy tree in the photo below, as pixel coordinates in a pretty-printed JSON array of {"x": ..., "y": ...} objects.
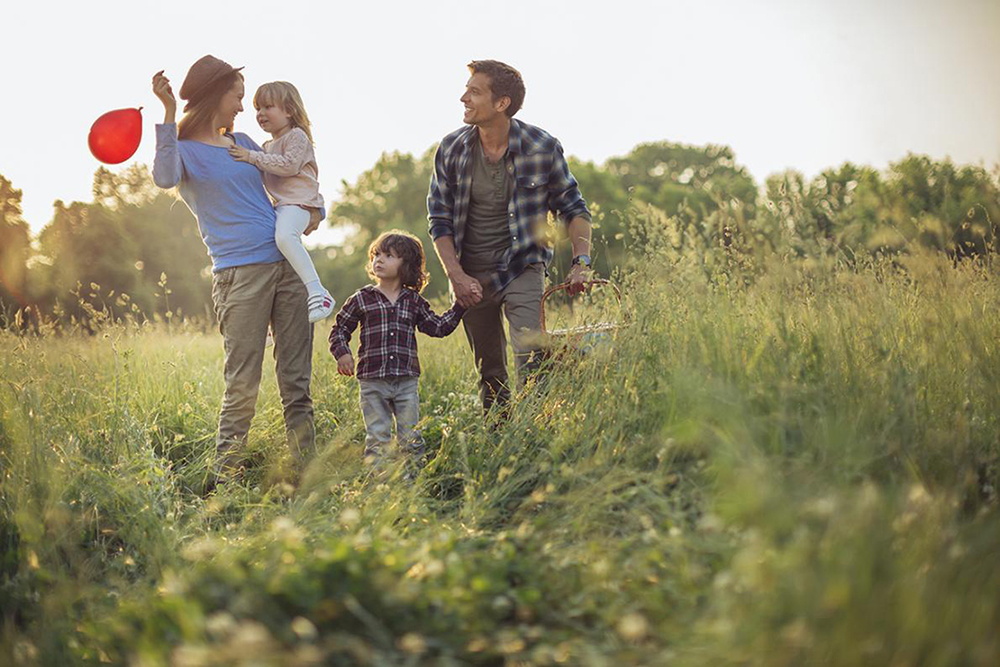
[
  {"x": 390, "y": 195},
  {"x": 674, "y": 176},
  {"x": 943, "y": 206},
  {"x": 918, "y": 201},
  {"x": 838, "y": 212},
  {"x": 123, "y": 243},
  {"x": 15, "y": 248}
]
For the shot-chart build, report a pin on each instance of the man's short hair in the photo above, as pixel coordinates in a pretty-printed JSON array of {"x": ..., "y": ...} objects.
[{"x": 504, "y": 81}]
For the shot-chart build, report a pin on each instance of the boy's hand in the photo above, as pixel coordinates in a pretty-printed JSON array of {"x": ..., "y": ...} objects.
[
  {"x": 345, "y": 365},
  {"x": 239, "y": 153},
  {"x": 468, "y": 292}
]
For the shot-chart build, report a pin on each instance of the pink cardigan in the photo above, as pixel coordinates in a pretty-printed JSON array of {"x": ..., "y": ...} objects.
[{"x": 290, "y": 172}]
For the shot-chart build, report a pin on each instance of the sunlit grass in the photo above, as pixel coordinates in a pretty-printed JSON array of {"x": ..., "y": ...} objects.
[{"x": 798, "y": 469}]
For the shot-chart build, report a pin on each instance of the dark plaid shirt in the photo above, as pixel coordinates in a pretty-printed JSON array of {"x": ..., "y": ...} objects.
[
  {"x": 388, "y": 341},
  {"x": 543, "y": 183}
]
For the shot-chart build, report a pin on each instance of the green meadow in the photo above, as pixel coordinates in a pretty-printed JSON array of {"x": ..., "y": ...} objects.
[{"x": 794, "y": 465}]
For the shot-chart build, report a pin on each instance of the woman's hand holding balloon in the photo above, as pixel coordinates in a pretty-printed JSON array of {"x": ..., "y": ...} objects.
[{"x": 162, "y": 89}]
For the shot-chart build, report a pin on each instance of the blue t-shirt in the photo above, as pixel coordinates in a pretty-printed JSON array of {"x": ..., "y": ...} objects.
[{"x": 234, "y": 213}]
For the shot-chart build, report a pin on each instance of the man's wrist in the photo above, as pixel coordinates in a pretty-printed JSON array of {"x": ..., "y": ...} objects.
[{"x": 582, "y": 259}]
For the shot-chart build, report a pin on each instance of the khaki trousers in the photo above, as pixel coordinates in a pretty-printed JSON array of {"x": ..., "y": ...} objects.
[
  {"x": 521, "y": 304},
  {"x": 247, "y": 299}
]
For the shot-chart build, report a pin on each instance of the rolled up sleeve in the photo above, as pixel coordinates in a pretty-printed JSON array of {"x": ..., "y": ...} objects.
[
  {"x": 440, "y": 200},
  {"x": 564, "y": 192}
]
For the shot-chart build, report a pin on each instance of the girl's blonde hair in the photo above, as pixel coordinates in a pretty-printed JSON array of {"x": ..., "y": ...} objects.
[{"x": 285, "y": 95}]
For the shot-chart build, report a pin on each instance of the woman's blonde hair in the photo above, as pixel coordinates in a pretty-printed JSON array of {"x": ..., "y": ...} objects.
[
  {"x": 285, "y": 95},
  {"x": 199, "y": 113}
]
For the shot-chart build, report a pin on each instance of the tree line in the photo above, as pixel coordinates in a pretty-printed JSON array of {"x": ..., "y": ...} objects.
[{"x": 135, "y": 250}]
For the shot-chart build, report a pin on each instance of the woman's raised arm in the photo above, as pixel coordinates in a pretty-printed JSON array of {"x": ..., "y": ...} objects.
[{"x": 167, "y": 161}]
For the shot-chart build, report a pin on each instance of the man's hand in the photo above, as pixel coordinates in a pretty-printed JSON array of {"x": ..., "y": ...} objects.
[
  {"x": 314, "y": 220},
  {"x": 239, "y": 153},
  {"x": 577, "y": 279},
  {"x": 468, "y": 291},
  {"x": 345, "y": 365}
]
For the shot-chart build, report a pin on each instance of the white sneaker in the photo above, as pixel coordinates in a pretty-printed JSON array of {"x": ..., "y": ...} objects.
[{"x": 320, "y": 306}]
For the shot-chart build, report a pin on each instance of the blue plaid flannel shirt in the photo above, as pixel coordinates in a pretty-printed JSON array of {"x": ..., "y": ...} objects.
[{"x": 543, "y": 183}]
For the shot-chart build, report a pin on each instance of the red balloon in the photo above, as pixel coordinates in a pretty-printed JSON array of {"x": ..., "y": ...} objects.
[{"x": 114, "y": 137}]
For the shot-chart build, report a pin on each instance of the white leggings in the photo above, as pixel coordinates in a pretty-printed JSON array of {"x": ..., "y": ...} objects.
[{"x": 291, "y": 222}]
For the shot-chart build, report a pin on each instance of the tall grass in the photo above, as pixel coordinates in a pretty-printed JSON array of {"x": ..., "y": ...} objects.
[{"x": 795, "y": 468}]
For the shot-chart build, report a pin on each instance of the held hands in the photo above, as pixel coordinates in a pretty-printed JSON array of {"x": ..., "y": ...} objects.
[
  {"x": 345, "y": 365},
  {"x": 239, "y": 153},
  {"x": 468, "y": 291}
]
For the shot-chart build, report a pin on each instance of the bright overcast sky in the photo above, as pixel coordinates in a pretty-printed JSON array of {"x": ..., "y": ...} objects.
[{"x": 802, "y": 84}]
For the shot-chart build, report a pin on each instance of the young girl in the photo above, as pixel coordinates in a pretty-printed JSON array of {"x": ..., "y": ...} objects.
[
  {"x": 291, "y": 178},
  {"x": 388, "y": 368}
]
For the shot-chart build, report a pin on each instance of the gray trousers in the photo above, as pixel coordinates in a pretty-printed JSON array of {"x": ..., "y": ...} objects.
[
  {"x": 521, "y": 304},
  {"x": 247, "y": 299},
  {"x": 385, "y": 400}
]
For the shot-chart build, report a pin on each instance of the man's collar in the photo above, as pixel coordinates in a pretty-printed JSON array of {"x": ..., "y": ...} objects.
[{"x": 515, "y": 137}]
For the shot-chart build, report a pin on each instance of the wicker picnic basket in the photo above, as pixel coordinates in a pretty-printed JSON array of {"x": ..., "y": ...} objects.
[{"x": 586, "y": 337}]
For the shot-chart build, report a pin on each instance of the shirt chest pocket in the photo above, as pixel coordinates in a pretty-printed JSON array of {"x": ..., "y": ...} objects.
[
  {"x": 404, "y": 315},
  {"x": 533, "y": 194},
  {"x": 533, "y": 182}
]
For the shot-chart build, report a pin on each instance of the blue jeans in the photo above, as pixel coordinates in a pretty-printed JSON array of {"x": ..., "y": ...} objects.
[{"x": 385, "y": 400}]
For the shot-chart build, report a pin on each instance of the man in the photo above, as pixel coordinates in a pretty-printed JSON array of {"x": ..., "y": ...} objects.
[{"x": 494, "y": 183}]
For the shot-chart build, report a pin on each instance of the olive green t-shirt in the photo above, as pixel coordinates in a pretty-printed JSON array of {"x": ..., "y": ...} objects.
[{"x": 487, "y": 231}]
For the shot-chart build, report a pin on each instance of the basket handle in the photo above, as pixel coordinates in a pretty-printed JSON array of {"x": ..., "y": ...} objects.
[{"x": 587, "y": 284}]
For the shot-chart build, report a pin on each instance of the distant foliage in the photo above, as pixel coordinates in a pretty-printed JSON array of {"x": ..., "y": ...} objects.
[
  {"x": 15, "y": 249},
  {"x": 696, "y": 202}
]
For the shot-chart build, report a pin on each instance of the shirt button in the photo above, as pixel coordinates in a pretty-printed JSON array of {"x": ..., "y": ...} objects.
[{"x": 391, "y": 357}]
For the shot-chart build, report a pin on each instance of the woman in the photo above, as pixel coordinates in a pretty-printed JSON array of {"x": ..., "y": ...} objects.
[{"x": 253, "y": 286}]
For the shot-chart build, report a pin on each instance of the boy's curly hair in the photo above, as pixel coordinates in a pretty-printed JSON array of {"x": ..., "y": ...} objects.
[{"x": 413, "y": 271}]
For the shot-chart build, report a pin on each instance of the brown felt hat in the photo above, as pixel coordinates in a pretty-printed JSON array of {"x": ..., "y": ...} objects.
[{"x": 206, "y": 71}]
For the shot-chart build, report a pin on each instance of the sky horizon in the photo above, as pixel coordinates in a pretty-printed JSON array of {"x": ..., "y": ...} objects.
[{"x": 799, "y": 85}]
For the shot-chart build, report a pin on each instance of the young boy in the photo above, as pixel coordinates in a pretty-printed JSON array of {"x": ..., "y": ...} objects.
[{"x": 388, "y": 367}]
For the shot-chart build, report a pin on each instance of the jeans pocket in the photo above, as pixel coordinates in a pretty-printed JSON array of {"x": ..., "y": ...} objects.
[{"x": 222, "y": 283}]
